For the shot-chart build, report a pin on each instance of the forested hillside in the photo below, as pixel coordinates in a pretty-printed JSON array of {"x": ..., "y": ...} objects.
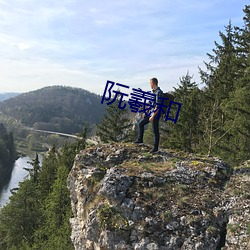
[{"x": 57, "y": 108}]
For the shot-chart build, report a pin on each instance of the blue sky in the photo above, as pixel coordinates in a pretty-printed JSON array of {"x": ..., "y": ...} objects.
[{"x": 85, "y": 43}]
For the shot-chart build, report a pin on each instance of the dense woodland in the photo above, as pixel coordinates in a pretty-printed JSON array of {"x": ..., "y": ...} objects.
[
  {"x": 37, "y": 216},
  {"x": 214, "y": 120},
  {"x": 7, "y": 154}
]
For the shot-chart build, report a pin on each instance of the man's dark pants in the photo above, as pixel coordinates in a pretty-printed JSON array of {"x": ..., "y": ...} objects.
[{"x": 155, "y": 125}]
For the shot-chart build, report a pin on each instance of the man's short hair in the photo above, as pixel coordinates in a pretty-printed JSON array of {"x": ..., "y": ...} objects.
[{"x": 155, "y": 81}]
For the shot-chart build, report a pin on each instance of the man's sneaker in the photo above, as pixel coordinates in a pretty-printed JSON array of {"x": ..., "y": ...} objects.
[
  {"x": 138, "y": 141},
  {"x": 154, "y": 150}
]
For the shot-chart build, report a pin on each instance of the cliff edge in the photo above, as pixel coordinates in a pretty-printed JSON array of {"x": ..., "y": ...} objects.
[{"x": 125, "y": 198}]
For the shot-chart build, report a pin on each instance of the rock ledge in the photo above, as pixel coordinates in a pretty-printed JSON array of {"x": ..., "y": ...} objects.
[{"x": 125, "y": 198}]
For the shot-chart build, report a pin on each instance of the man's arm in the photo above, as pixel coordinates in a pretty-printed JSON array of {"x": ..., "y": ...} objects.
[
  {"x": 156, "y": 110},
  {"x": 154, "y": 113}
]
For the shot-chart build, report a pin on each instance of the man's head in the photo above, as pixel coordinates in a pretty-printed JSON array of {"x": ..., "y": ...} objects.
[{"x": 153, "y": 83}]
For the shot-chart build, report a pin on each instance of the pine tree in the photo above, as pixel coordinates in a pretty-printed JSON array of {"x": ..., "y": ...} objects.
[
  {"x": 81, "y": 143},
  {"x": 20, "y": 217},
  {"x": 220, "y": 80},
  {"x": 55, "y": 230},
  {"x": 165, "y": 133},
  {"x": 115, "y": 125},
  {"x": 184, "y": 134},
  {"x": 35, "y": 170},
  {"x": 237, "y": 106},
  {"x": 149, "y": 134},
  {"x": 47, "y": 174}
]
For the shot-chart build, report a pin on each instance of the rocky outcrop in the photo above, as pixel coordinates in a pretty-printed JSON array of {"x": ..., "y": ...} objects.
[
  {"x": 237, "y": 204},
  {"x": 126, "y": 198}
]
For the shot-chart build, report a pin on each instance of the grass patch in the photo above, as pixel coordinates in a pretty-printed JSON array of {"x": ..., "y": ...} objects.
[
  {"x": 212, "y": 231},
  {"x": 96, "y": 177},
  {"x": 174, "y": 160},
  {"x": 136, "y": 168},
  {"x": 109, "y": 218},
  {"x": 248, "y": 228},
  {"x": 233, "y": 228},
  {"x": 180, "y": 189},
  {"x": 147, "y": 155},
  {"x": 166, "y": 216},
  {"x": 183, "y": 202}
]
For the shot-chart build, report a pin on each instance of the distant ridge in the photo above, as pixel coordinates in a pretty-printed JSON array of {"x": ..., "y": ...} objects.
[{"x": 7, "y": 95}]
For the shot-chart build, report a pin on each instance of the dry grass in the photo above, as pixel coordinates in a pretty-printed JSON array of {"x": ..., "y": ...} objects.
[{"x": 157, "y": 168}]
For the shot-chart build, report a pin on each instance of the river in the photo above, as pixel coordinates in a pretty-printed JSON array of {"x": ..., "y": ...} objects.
[{"x": 17, "y": 175}]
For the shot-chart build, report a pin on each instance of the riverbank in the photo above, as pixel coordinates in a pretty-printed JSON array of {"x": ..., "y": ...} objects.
[{"x": 18, "y": 174}]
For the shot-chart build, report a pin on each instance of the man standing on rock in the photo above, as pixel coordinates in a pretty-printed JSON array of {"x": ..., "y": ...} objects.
[{"x": 152, "y": 117}]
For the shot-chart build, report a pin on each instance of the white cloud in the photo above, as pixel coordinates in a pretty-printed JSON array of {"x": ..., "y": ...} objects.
[
  {"x": 23, "y": 46},
  {"x": 79, "y": 42}
]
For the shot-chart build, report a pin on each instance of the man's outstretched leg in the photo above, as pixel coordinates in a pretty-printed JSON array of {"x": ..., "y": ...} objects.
[{"x": 141, "y": 125}]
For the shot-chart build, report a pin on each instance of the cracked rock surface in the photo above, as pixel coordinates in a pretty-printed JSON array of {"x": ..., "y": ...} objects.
[{"x": 125, "y": 198}]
